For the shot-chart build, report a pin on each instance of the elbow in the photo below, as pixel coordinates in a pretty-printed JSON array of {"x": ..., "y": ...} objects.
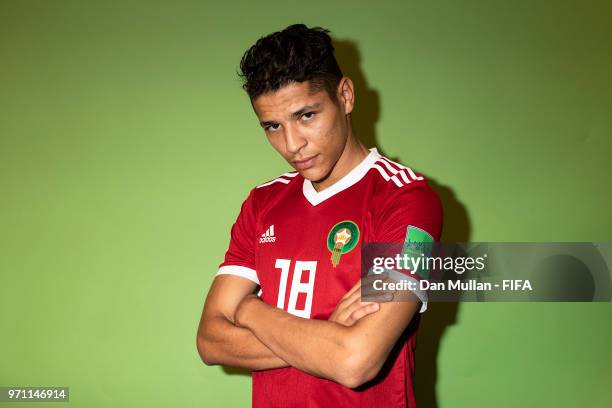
[
  {"x": 350, "y": 381},
  {"x": 355, "y": 373},
  {"x": 357, "y": 368},
  {"x": 206, "y": 350}
]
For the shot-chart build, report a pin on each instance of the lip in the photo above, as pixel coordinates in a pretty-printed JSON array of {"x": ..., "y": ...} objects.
[{"x": 304, "y": 164}]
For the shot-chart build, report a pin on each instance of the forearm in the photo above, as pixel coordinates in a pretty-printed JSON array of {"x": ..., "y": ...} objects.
[
  {"x": 222, "y": 342},
  {"x": 317, "y": 347}
]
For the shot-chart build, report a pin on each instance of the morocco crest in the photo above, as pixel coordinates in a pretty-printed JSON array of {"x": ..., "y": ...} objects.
[{"x": 342, "y": 238}]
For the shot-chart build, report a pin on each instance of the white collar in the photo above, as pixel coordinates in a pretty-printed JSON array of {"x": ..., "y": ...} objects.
[{"x": 315, "y": 197}]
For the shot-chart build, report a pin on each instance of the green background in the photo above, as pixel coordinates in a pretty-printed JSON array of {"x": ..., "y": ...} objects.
[{"x": 127, "y": 147}]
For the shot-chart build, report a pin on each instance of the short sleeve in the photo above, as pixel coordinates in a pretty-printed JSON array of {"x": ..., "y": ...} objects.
[
  {"x": 240, "y": 255},
  {"x": 411, "y": 216}
]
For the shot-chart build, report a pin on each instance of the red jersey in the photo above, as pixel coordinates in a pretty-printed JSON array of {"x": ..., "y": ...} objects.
[{"x": 303, "y": 247}]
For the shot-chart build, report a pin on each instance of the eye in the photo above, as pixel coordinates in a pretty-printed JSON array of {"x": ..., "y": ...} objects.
[
  {"x": 271, "y": 126},
  {"x": 308, "y": 113}
]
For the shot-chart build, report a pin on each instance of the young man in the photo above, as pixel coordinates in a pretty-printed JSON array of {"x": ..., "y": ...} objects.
[{"x": 308, "y": 337}]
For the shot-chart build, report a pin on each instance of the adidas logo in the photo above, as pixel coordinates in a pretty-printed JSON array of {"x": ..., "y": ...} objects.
[{"x": 268, "y": 236}]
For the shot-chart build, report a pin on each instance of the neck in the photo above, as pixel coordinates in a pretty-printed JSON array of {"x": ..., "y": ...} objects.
[{"x": 354, "y": 152}]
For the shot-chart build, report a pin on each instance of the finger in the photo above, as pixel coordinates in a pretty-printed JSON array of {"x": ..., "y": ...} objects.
[
  {"x": 345, "y": 312},
  {"x": 353, "y": 299},
  {"x": 352, "y": 290},
  {"x": 357, "y": 296},
  {"x": 367, "y": 280},
  {"x": 364, "y": 311},
  {"x": 347, "y": 319}
]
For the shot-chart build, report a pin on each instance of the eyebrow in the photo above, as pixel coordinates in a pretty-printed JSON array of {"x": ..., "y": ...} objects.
[{"x": 295, "y": 114}]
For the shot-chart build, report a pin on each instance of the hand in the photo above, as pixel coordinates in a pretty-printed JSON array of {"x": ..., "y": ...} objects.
[{"x": 351, "y": 308}]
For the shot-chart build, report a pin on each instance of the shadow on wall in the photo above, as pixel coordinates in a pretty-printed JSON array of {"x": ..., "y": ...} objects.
[{"x": 440, "y": 315}]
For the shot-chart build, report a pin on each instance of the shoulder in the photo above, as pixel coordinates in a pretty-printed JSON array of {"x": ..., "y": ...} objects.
[
  {"x": 402, "y": 194},
  {"x": 396, "y": 175},
  {"x": 266, "y": 192},
  {"x": 394, "y": 181},
  {"x": 282, "y": 180}
]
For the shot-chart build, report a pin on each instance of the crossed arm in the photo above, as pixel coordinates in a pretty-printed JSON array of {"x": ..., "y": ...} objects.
[{"x": 238, "y": 329}]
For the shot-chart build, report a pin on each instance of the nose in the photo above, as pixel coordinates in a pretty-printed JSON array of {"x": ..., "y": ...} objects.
[{"x": 294, "y": 140}]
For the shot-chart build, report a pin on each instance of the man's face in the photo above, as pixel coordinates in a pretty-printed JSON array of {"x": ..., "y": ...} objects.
[{"x": 309, "y": 131}]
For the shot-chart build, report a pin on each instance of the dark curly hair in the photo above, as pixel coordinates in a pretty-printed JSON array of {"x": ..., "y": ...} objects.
[{"x": 295, "y": 54}]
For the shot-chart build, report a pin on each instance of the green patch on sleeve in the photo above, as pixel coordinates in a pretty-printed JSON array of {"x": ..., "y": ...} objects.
[{"x": 418, "y": 244}]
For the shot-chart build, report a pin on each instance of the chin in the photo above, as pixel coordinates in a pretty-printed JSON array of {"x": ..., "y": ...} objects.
[
  {"x": 308, "y": 174},
  {"x": 313, "y": 174}
]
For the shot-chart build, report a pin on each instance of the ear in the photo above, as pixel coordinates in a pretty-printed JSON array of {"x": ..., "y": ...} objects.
[{"x": 346, "y": 94}]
